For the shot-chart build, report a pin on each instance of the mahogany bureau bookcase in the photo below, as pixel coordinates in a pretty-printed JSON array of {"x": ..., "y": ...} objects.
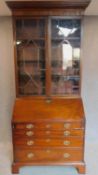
[{"x": 48, "y": 123}]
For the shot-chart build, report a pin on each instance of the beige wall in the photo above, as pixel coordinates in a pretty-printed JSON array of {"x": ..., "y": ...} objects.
[
  {"x": 7, "y": 90},
  {"x": 89, "y": 76}
]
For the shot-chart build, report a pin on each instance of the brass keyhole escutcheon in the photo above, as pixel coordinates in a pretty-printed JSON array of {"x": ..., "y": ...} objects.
[
  {"x": 29, "y": 133},
  {"x": 66, "y": 142},
  {"x": 30, "y": 155},
  {"x": 66, "y": 133},
  {"x": 66, "y": 155},
  {"x": 30, "y": 126},
  {"x": 30, "y": 142}
]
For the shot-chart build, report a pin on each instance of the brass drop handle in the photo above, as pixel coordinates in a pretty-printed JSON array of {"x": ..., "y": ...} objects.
[
  {"x": 66, "y": 155},
  {"x": 66, "y": 125},
  {"x": 30, "y": 126},
  {"x": 66, "y": 142},
  {"x": 48, "y": 151},
  {"x": 48, "y": 132},
  {"x": 66, "y": 133},
  {"x": 48, "y": 100},
  {"x": 30, "y": 155},
  {"x": 29, "y": 133},
  {"x": 48, "y": 140},
  {"x": 30, "y": 142},
  {"x": 48, "y": 126}
]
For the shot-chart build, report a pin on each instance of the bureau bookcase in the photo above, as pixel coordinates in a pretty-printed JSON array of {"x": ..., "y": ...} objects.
[{"x": 48, "y": 123}]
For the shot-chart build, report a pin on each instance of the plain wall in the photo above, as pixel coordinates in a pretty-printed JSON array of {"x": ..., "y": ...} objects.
[
  {"x": 89, "y": 60},
  {"x": 7, "y": 81}
]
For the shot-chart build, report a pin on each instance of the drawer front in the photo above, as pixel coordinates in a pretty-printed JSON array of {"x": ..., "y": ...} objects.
[
  {"x": 68, "y": 142},
  {"x": 50, "y": 125},
  {"x": 49, "y": 155},
  {"x": 48, "y": 133}
]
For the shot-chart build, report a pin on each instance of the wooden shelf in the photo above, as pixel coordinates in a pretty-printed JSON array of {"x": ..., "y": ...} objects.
[
  {"x": 31, "y": 61},
  {"x": 64, "y": 38},
  {"x": 30, "y": 39}
]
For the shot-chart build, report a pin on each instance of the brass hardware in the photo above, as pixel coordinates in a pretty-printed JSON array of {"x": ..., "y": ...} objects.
[
  {"x": 29, "y": 133},
  {"x": 48, "y": 151},
  {"x": 29, "y": 126},
  {"x": 48, "y": 126},
  {"x": 48, "y": 100},
  {"x": 66, "y": 142},
  {"x": 66, "y": 125},
  {"x": 48, "y": 132},
  {"x": 66, "y": 133},
  {"x": 30, "y": 155},
  {"x": 66, "y": 155},
  {"x": 30, "y": 142},
  {"x": 48, "y": 140}
]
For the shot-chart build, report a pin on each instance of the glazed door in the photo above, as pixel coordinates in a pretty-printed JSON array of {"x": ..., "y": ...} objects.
[
  {"x": 30, "y": 50},
  {"x": 48, "y": 56},
  {"x": 65, "y": 56}
]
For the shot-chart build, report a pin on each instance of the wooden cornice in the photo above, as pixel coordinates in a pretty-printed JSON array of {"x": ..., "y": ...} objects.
[{"x": 32, "y": 4}]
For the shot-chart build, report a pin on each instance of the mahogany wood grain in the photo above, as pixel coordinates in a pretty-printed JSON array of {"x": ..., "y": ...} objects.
[
  {"x": 45, "y": 142},
  {"x": 51, "y": 122},
  {"x": 49, "y": 155},
  {"x": 80, "y": 166},
  {"x": 56, "y": 118},
  {"x": 39, "y": 110},
  {"x": 48, "y": 133},
  {"x": 49, "y": 12},
  {"x": 48, "y": 58},
  {"x": 58, "y": 125},
  {"x": 80, "y": 4}
]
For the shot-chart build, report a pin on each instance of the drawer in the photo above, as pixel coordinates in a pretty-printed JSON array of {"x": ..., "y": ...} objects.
[
  {"x": 48, "y": 133},
  {"x": 50, "y": 125},
  {"x": 48, "y": 155},
  {"x": 67, "y": 142}
]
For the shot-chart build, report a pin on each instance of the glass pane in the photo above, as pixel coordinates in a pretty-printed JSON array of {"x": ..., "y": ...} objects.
[
  {"x": 31, "y": 57},
  {"x": 66, "y": 28},
  {"x": 30, "y": 28},
  {"x": 65, "y": 56}
]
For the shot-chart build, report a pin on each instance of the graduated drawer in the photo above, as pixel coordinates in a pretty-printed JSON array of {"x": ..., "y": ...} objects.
[
  {"x": 48, "y": 155},
  {"x": 48, "y": 133},
  {"x": 49, "y": 125},
  {"x": 68, "y": 142}
]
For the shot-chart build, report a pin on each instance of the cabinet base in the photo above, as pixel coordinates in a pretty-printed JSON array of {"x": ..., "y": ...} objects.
[{"x": 80, "y": 166}]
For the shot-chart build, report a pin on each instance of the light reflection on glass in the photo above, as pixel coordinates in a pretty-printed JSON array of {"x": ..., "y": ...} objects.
[
  {"x": 66, "y": 31},
  {"x": 76, "y": 53},
  {"x": 18, "y": 42},
  {"x": 67, "y": 55}
]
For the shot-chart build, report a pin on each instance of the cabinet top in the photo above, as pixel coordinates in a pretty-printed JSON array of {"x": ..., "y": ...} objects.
[
  {"x": 71, "y": 4},
  {"x": 28, "y": 110}
]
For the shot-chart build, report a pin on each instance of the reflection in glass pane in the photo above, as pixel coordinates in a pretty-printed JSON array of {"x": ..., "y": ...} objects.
[
  {"x": 66, "y": 28},
  {"x": 30, "y": 28},
  {"x": 65, "y": 56},
  {"x": 31, "y": 56}
]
